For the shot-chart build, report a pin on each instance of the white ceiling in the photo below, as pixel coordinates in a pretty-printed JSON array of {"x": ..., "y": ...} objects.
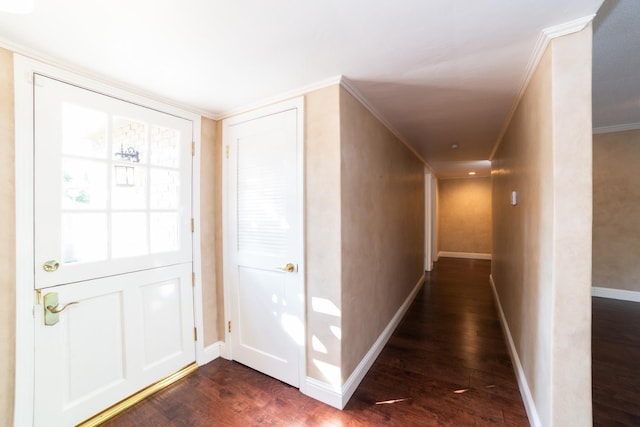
[{"x": 438, "y": 71}]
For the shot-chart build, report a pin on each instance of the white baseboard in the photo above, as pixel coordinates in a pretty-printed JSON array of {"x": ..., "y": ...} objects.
[
  {"x": 465, "y": 255},
  {"x": 338, "y": 398},
  {"x": 621, "y": 294},
  {"x": 212, "y": 352},
  {"x": 523, "y": 385},
  {"x": 323, "y": 392}
]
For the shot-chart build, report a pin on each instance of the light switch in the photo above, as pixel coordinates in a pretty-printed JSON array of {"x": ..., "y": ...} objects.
[{"x": 514, "y": 198}]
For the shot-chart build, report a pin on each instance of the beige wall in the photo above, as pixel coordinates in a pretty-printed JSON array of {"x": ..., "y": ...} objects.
[
  {"x": 616, "y": 210},
  {"x": 464, "y": 212},
  {"x": 382, "y": 185},
  {"x": 323, "y": 222},
  {"x": 7, "y": 239},
  {"x": 364, "y": 230},
  {"x": 542, "y": 247},
  {"x": 210, "y": 237}
]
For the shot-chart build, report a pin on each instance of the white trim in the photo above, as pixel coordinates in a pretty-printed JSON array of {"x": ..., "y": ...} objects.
[
  {"x": 265, "y": 103},
  {"x": 428, "y": 220},
  {"x": 545, "y": 36},
  {"x": 339, "y": 397},
  {"x": 465, "y": 255},
  {"x": 621, "y": 294},
  {"x": 616, "y": 128},
  {"x": 24, "y": 68},
  {"x": 523, "y": 385},
  {"x": 349, "y": 87},
  {"x": 567, "y": 28},
  {"x": 323, "y": 392},
  {"x": 196, "y": 258},
  {"x": 24, "y": 351},
  {"x": 298, "y": 104},
  {"x": 212, "y": 352}
]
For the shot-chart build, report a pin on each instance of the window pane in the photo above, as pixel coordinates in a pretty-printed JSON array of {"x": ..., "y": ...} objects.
[
  {"x": 84, "y": 184},
  {"x": 129, "y": 233},
  {"x": 164, "y": 232},
  {"x": 84, "y": 237},
  {"x": 165, "y": 189},
  {"x": 129, "y": 140},
  {"x": 84, "y": 132},
  {"x": 165, "y": 149},
  {"x": 129, "y": 187}
]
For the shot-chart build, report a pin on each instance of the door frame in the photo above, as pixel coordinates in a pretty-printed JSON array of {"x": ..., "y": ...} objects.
[
  {"x": 24, "y": 68},
  {"x": 428, "y": 220},
  {"x": 298, "y": 105}
]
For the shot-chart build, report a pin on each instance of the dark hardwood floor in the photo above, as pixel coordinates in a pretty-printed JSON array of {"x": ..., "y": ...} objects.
[
  {"x": 445, "y": 365},
  {"x": 616, "y": 362}
]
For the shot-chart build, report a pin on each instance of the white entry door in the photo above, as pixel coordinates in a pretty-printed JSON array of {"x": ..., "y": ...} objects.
[
  {"x": 112, "y": 250},
  {"x": 263, "y": 238}
]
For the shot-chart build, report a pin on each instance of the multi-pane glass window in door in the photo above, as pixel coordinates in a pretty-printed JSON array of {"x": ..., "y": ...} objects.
[{"x": 120, "y": 186}]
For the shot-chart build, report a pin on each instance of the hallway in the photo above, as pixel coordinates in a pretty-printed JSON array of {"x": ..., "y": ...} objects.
[{"x": 445, "y": 365}]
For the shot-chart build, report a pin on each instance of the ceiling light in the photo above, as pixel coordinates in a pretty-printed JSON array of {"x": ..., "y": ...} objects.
[
  {"x": 454, "y": 146},
  {"x": 16, "y": 6},
  {"x": 472, "y": 173}
]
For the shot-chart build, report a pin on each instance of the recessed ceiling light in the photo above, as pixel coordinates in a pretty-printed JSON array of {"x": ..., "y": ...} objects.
[
  {"x": 472, "y": 173},
  {"x": 454, "y": 146}
]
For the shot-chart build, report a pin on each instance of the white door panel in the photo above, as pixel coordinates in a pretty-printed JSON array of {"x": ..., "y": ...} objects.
[
  {"x": 126, "y": 332},
  {"x": 264, "y": 225},
  {"x": 112, "y": 188}
]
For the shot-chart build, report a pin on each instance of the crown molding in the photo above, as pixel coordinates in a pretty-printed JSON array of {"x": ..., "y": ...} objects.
[
  {"x": 616, "y": 128},
  {"x": 331, "y": 81},
  {"x": 349, "y": 87},
  {"x": 570, "y": 27},
  {"x": 544, "y": 38}
]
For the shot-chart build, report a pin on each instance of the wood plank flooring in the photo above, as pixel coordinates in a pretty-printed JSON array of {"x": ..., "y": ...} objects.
[
  {"x": 616, "y": 362},
  {"x": 445, "y": 365}
]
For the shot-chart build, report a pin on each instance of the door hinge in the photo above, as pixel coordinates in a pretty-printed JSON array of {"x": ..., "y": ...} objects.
[
  {"x": 195, "y": 334},
  {"x": 193, "y": 279},
  {"x": 193, "y": 148},
  {"x": 229, "y": 326},
  {"x": 227, "y": 151},
  {"x": 193, "y": 225},
  {"x": 38, "y": 296}
]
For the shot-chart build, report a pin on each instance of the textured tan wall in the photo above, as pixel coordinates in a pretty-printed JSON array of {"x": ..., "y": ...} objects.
[
  {"x": 322, "y": 227},
  {"x": 572, "y": 241},
  {"x": 218, "y": 228},
  {"x": 464, "y": 211},
  {"x": 382, "y": 227},
  {"x": 210, "y": 213},
  {"x": 542, "y": 247},
  {"x": 616, "y": 210},
  {"x": 7, "y": 239}
]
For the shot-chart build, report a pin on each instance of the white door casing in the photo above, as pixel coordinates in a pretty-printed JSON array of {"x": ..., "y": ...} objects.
[
  {"x": 263, "y": 233},
  {"x": 428, "y": 219},
  {"x": 147, "y": 299}
]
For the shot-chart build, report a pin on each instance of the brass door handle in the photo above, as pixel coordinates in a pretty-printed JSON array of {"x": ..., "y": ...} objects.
[
  {"x": 55, "y": 310},
  {"x": 289, "y": 268},
  {"x": 50, "y": 266}
]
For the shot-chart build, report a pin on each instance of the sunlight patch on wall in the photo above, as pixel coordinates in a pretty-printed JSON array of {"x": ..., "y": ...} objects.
[
  {"x": 331, "y": 373},
  {"x": 324, "y": 306}
]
